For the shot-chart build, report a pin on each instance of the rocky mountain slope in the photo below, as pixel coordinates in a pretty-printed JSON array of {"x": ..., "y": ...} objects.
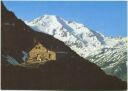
[
  {"x": 69, "y": 71},
  {"x": 108, "y": 53}
]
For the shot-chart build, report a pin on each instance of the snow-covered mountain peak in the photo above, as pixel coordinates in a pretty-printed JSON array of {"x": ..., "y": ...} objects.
[
  {"x": 51, "y": 24},
  {"x": 106, "y": 52},
  {"x": 76, "y": 35},
  {"x": 43, "y": 19}
]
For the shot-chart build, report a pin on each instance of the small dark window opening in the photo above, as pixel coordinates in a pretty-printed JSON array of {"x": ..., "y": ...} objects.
[{"x": 50, "y": 55}]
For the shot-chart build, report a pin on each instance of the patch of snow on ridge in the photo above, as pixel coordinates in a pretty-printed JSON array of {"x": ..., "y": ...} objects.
[
  {"x": 25, "y": 55},
  {"x": 10, "y": 59}
]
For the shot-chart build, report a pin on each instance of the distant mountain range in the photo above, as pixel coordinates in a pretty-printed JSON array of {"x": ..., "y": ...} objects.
[
  {"x": 68, "y": 71},
  {"x": 108, "y": 53}
]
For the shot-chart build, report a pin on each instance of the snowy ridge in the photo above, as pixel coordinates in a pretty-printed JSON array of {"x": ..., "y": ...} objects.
[
  {"x": 108, "y": 53},
  {"x": 10, "y": 59},
  {"x": 112, "y": 61},
  {"x": 75, "y": 35}
]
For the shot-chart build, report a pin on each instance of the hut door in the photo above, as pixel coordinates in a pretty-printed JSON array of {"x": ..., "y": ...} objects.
[{"x": 50, "y": 56}]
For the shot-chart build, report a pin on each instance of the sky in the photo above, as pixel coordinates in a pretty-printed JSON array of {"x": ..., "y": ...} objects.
[{"x": 106, "y": 17}]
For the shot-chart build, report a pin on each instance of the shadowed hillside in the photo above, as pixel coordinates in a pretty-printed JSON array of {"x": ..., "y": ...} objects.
[{"x": 68, "y": 72}]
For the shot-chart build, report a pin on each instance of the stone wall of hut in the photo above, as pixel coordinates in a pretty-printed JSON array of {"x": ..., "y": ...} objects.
[{"x": 40, "y": 54}]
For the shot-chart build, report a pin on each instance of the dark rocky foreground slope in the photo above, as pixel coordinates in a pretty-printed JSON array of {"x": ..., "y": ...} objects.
[{"x": 68, "y": 72}]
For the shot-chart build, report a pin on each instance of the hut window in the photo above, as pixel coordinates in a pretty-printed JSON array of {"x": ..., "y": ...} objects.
[{"x": 50, "y": 55}]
